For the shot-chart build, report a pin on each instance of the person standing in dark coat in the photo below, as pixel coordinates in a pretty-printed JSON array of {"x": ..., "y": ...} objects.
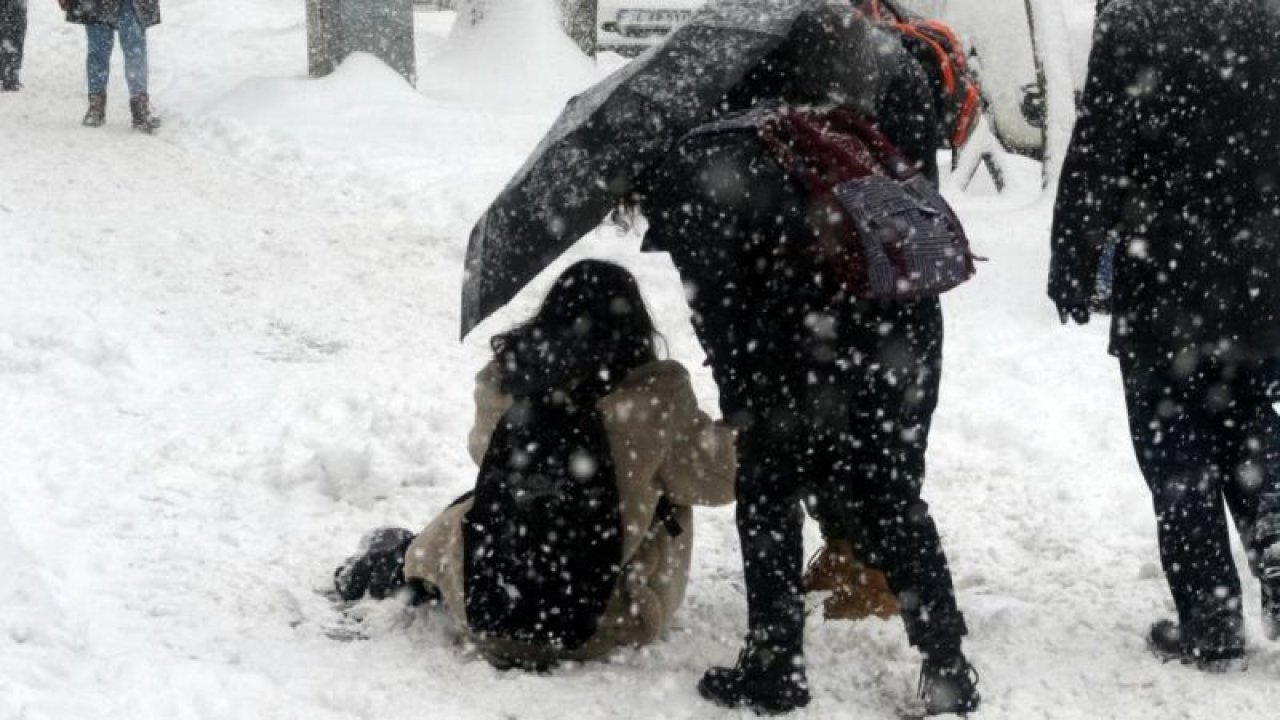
[
  {"x": 13, "y": 31},
  {"x": 1175, "y": 159},
  {"x": 833, "y": 395},
  {"x": 103, "y": 20}
]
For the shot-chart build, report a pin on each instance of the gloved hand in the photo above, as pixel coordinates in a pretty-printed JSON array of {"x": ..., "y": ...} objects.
[
  {"x": 63, "y": 4},
  {"x": 1074, "y": 311}
]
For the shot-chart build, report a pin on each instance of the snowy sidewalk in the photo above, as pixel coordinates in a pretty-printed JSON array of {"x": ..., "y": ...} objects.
[{"x": 229, "y": 349}]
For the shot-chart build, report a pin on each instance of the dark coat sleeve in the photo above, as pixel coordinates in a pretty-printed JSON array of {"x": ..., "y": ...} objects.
[
  {"x": 909, "y": 116},
  {"x": 1092, "y": 189}
]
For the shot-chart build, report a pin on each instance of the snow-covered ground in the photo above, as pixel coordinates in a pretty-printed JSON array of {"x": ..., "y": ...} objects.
[{"x": 229, "y": 349}]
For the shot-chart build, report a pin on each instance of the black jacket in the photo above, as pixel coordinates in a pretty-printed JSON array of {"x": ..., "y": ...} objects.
[
  {"x": 1176, "y": 156},
  {"x": 107, "y": 12},
  {"x": 737, "y": 226}
]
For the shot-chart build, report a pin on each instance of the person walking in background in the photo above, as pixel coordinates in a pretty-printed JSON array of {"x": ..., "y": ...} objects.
[
  {"x": 13, "y": 31},
  {"x": 103, "y": 20},
  {"x": 1175, "y": 157}
]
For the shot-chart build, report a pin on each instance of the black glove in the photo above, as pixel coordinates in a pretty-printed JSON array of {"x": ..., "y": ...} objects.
[{"x": 1074, "y": 311}]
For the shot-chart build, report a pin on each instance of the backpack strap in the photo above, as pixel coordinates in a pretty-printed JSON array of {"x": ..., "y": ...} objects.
[
  {"x": 825, "y": 147},
  {"x": 959, "y": 82}
]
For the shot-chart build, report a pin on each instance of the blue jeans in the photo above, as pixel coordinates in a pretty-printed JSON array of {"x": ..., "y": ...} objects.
[{"x": 133, "y": 41}]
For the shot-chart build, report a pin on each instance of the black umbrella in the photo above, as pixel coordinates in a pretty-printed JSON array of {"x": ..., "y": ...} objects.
[{"x": 610, "y": 134}]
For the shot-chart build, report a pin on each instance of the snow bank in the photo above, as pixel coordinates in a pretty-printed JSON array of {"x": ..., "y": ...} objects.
[{"x": 517, "y": 56}]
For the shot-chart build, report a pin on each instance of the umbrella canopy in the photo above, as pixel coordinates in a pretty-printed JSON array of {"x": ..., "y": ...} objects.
[{"x": 608, "y": 136}]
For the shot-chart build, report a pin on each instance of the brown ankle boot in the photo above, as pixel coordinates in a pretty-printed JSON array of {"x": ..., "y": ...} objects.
[
  {"x": 97, "y": 113},
  {"x": 866, "y": 595},
  {"x": 830, "y": 567},
  {"x": 140, "y": 108}
]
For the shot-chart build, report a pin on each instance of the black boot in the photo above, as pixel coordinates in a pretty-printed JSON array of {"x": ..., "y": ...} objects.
[
  {"x": 948, "y": 684},
  {"x": 97, "y": 113},
  {"x": 1168, "y": 642},
  {"x": 140, "y": 109},
  {"x": 1269, "y": 575},
  {"x": 377, "y": 568},
  {"x": 768, "y": 678}
]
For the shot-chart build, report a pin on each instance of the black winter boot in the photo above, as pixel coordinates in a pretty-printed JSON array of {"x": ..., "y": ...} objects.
[
  {"x": 768, "y": 679},
  {"x": 1167, "y": 642},
  {"x": 948, "y": 684},
  {"x": 1271, "y": 610},
  {"x": 140, "y": 109},
  {"x": 97, "y": 113},
  {"x": 1269, "y": 575},
  {"x": 378, "y": 566}
]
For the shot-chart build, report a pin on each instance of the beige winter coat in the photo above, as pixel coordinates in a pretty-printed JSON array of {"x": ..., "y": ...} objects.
[{"x": 661, "y": 444}]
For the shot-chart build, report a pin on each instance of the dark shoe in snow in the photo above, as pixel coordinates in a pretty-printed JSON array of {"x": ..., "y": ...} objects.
[
  {"x": 1269, "y": 570},
  {"x": 1167, "y": 642},
  {"x": 422, "y": 592},
  {"x": 948, "y": 685},
  {"x": 1271, "y": 610},
  {"x": 10, "y": 86},
  {"x": 140, "y": 110},
  {"x": 377, "y": 568},
  {"x": 767, "y": 680},
  {"x": 96, "y": 115}
]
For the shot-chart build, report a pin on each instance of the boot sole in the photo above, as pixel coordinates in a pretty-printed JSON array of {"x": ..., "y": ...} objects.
[
  {"x": 756, "y": 706},
  {"x": 1215, "y": 666}
]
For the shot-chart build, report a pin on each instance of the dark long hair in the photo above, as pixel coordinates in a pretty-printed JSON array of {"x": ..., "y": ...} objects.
[{"x": 591, "y": 330}]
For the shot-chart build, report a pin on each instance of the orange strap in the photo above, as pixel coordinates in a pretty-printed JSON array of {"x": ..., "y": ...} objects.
[{"x": 951, "y": 59}]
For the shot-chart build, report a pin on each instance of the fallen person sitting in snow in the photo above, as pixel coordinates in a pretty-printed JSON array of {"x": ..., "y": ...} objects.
[{"x": 578, "y": 535}]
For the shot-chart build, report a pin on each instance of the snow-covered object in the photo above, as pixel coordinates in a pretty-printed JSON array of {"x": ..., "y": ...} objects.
[
  {"x": 999, "y": 31},
  {"x": 1054, "y": 44},
  {"x": 515, "y": 53}
]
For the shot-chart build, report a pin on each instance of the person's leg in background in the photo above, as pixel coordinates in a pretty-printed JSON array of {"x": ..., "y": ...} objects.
[
  {"x": 1251, "y": 440},
  {"x": 133, "y": 43},
  {"x": 101, "y": 39},
  {"x": 13, "y": 32},
  {"x": 1175, "y": 432}
]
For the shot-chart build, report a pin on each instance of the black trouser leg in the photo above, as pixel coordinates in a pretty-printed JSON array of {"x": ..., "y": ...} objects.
[
  {"x": 1252, "y": 487},
  {"x": 1196, "y": 445},
  {"x": 769, "y": 530},
  {"x": 13, "y": 31},
  {"x": 896, "y": 365}
]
